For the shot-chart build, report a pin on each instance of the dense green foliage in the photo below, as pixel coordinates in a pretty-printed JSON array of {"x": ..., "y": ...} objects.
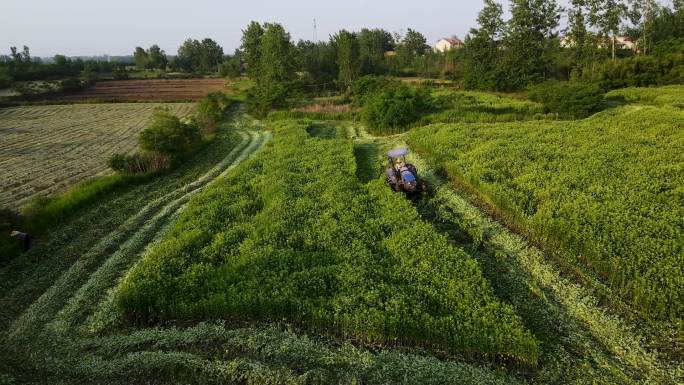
[
  {"x": 292, "y": 235},
  {"x": 152, "y": 58},
  {"x": 348, "y": 58},
  {"x": 167, "y": 139},
  {"x": 570, "y": 99},
  {"x": 660, "y": 96},
  {"x": 21, "y": 66},
  {"x": 481, "y": 107},
  {"x": 211, "y": 110},
  {"x": 166, "y": 134},
  {"x": 269, "y": 55},
  {"x": 394, "y": 107},
  {"x": 198, "y": 56},
  {"x": 367, "y": 86},
  {"x": 606, "y": 190}
]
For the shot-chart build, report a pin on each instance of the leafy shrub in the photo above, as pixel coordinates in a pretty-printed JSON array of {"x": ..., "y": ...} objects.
[
  {"x": 231, "y": 68},
  {"x": 210, "y": 111},
  {"x": 71, "y": 85},
  {"x": 139, "y": 163},
  {"x": 167, "y": 135},
  {"x": 368, "y": 85},
  {"x": 568, "y": 98},
  {"x": 642, "y": 71},
  {"x": 263, "y": 97},
  {"x": 392, "y": 108}
]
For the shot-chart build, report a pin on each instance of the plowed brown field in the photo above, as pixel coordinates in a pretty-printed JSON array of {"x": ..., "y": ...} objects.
[{"x": 157, "y": 90}]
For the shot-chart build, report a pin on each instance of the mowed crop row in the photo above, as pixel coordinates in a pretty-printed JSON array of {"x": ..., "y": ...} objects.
[
  {"x": 147, "y": 90},
  {"x": 47, "y": 148}
]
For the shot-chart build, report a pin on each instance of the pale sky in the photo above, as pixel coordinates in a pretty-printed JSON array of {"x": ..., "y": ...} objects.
[{"x": 116, "y": 27}]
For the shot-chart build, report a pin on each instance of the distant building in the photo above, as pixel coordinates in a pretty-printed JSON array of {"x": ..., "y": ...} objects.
[
  {"x": 621, "y": 42},
  {"x": 448, "y": 43},
  {"x": 390, "y": 53},
  {"x": 624, "y": 42}
]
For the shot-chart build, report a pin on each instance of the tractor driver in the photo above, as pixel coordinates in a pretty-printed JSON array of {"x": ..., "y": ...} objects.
[{"x": 398, "y": 164}]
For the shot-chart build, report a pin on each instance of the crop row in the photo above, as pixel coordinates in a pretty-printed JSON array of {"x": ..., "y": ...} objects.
[
  {"x": 606, "y": 190},
  {"x": 293, "y": 235},
  {"x": 66, "y": 352}
]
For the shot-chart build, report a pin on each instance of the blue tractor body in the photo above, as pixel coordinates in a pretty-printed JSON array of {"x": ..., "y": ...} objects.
[{"x": 402, "y": 176}]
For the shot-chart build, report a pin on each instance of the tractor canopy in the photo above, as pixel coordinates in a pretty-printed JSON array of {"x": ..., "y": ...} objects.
[{"x": 397, "y": 152}]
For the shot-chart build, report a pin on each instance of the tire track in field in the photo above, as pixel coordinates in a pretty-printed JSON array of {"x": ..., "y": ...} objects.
[
  {"x": 48, "y": 304},
  {"x": 88, "y": 296}
]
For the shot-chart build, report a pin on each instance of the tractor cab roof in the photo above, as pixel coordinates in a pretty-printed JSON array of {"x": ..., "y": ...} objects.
[{"x": 397, "y": 152}]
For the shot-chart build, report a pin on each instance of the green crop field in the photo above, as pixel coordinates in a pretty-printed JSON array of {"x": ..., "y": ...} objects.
[
  {"x": 607, "y": 190},
  {"x": 48, "y": 148},
  {"x": 544, "y": 252}
]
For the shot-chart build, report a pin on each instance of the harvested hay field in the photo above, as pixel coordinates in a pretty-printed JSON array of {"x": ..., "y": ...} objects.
[
  {"x": 44, "y": 149},
  {"x": 153, "y": 90}
]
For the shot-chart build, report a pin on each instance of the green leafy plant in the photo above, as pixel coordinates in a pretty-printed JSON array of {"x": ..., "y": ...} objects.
[
  {"x": 393, "y": 108},
  {"x": 569, "y": 99}
]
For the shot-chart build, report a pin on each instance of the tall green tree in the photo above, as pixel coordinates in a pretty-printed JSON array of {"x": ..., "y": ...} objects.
[
  {"x": 156, "y": 58},
  {"x": 318, "y": 62},
  {"x": 412, "y": 45},
  {"x": 348, "y": 58},
  {"x": 529, "y": 45},
  {"x": 199, "y": 56},
  {"x": 607, "y": 16},
  {"x": 251, "y": 48},
  {"x": 211, "y": 55},
  {"x": 276, "y": 55},
  {"x": 275, "y": 70},
  {"x": 642, "y": 14},
  {"x": 580, "y": 40},
  {"x": 140, "y": 58},
  {"x": 373, "y": 43},
  {"x": 483, "y": 48}
]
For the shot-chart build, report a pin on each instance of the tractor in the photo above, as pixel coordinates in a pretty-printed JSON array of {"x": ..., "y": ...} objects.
[{"x": 402, "y": 176}]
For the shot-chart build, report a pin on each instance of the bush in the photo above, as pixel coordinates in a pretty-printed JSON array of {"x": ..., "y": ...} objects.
[
  {"x": 167, "y": 135},
  {"x": 139, "y": 163},
  {"x": 393, "y": 108},
  {"x": 210, "y": 111},
  {"x": 71, "y": 85},
  {"x": 368, "y": 85},
  {"x": 231, "y": 68},
  {"x": 263, "y": 97},
  {"x": 570, "y": 99}
]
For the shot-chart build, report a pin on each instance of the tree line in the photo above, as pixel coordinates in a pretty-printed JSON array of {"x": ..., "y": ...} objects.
[
  {"x": 502, "y": 55},
  {"x": 528, "y": 48}
]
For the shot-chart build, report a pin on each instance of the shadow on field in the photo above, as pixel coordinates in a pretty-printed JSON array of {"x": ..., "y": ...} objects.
[{"x": 366, "y": 155}]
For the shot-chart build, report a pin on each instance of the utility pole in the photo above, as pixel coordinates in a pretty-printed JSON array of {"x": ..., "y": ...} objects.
[{"x": 314, "y": 30}]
